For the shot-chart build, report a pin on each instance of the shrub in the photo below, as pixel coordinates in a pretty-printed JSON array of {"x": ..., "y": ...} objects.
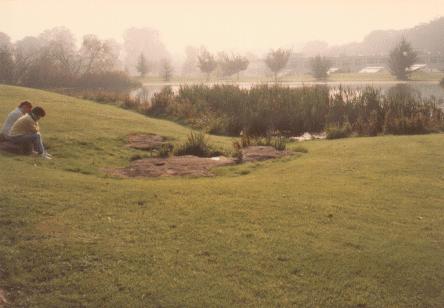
[
  {"x": 280, "y": 143},
  {"x": 335, "y": 132},
  {"x": 165, "y": 150},
  {"x": 197, "y": 144},
  {"x": 161, "y": 102},
  {"x": 230, "y": 110}
]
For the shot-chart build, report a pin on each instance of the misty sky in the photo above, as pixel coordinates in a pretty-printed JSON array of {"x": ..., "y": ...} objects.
[{"x": 231, "y": 25}]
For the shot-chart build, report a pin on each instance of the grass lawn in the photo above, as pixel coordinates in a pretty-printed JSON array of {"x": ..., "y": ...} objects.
[{"x": 355, "y": 222}]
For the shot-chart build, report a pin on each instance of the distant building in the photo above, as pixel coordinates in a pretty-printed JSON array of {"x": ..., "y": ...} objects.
[{"x": 371, "y": 69}]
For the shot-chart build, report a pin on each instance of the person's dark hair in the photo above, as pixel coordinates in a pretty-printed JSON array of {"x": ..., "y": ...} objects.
[
  {"x": 25, "y": 103},
  {"x": 38, "y": 111}
]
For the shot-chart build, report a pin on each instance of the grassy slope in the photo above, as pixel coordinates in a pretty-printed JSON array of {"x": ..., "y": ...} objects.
[{"x": 353, "y": 222}]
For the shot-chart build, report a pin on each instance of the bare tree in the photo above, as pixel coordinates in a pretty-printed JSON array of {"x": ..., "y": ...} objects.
[
  {"x": 206, "y": 62},
  {"x": 6, "y": 59},
  {"x": 96, "y": 55},
  {"x": 59, "y": 48},
  {"x": 166, "y": 69},
  {"x": 276, "y": 60},
  {"x": 26, "y": 53}
]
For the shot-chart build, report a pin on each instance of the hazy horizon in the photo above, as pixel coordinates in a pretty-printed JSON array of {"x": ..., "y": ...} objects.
[{"x": 246, "y": 26}]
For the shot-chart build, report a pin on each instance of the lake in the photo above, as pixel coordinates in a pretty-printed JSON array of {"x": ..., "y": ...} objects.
[{"x": 425, "y": 88}]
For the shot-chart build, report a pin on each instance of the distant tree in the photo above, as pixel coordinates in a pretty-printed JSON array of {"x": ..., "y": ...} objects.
[
  {"x": 6, "y": 60},
  {"x": 166, "y": 69},
  {"x": 96, "y": 55},
  {"x": 442, "y": 83},
  {"x": 276, "y": 60},
  {"x": 189, "y": 66},
  {"x": 206, "y": 62},
  {"x": 233, "y": 64},
  {"x": 6, "y": 66},
  {"x": 59, "y": 48},
  {"x": 319, "y": 67},
  {"x": 142, "y": 65},
  {"x": 26, "y": 54},
  {"x": 146, "y": 41},
  {"x": 401, "y": 58}
]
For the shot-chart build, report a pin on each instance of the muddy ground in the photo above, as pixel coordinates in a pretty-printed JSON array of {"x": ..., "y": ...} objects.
[
  {"x": 146, "y": 142},
  {"x": 192, "y": 165}
]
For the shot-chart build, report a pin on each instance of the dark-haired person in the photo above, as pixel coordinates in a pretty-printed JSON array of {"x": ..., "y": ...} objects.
[
  {"x": 22, "y": 109},
  {"x": 26, "y": 131}
]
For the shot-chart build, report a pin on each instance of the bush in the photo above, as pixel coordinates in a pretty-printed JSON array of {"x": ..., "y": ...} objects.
[
  {"x": 197, "y": 144},
  {"x": 165, "y": 150},
  {"x": 280, "y": 143},
  {"x": 334, "y": 132}
]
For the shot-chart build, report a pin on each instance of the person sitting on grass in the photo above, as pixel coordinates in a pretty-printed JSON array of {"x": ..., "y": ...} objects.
[
  {"x": 22, "y": 109},
  {"x": 26, "y": 131}
]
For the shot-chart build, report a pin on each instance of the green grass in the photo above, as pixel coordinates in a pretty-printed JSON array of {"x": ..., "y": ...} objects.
[
  {"x": 353, "y": 222},
  {"x": 86, "y": 136}
]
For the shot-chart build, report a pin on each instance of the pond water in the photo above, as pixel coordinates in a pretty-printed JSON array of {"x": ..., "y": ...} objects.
[{"x": 426, "y": 88}]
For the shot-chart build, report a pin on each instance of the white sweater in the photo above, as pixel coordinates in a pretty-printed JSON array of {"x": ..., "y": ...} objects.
[{"x": 13, "y": 116}]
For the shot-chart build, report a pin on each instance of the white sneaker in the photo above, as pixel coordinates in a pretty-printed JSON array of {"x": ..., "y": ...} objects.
[{"x": 46, "y": 156}]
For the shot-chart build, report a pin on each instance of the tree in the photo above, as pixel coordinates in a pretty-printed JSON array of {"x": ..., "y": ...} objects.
[
  {"x": 276, "y": 60},
  {"x": 142, "y": 65},
  {"x": 189, "y": 66},
  {"x": 146, "y": 41},
  {"x": 319, "y": 67},
  {"x": 206, "y": 62},
  {"x": 59, "y": 48},
  {"x": 166, "y": 69},
  {"x": 97, "y": 56},
  {"x": 6, "y": 59},
  {"x": 26, "y": 54},
  {"x": 233, "y": 64},
  {"x": 401, "y": 58}
]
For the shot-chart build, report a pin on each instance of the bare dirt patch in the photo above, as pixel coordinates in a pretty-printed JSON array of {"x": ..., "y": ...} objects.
[
  {"x": 173, "y": 166},
  {"x": 191, "y": 165},
  {"x": 146, "y": 142},
  {"x": 258, "y": 153}
]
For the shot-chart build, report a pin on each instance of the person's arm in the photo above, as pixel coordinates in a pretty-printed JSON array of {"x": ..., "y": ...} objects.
[{"x": 32, "y": 126}]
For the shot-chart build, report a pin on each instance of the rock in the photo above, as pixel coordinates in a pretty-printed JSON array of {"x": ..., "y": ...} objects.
[{"x": 7, "y": 146}]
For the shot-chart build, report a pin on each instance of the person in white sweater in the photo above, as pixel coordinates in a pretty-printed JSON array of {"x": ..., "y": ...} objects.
[{"x": 22, "y": 109}]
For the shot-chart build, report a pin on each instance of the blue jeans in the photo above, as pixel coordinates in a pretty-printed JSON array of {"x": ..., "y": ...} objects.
[{"x": 35, "y": 139}]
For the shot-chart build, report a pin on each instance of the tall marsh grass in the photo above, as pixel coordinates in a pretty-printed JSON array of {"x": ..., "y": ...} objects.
[{"x": 228, "y": 110}]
